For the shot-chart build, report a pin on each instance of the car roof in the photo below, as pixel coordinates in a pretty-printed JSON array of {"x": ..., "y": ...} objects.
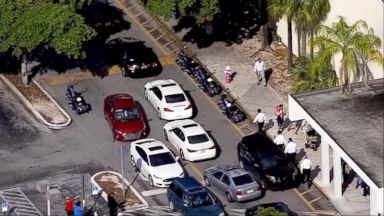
[
  {"x": 121, "y": 101},
  {"x": 190, "y": 127},
  {"x": 151, "y": 146},
  {"x": 260, "y": 144},
  {"x": 168, "y": 86},
  {"x": 189, "y": 185},
  {"x": 236, "y": 172}
]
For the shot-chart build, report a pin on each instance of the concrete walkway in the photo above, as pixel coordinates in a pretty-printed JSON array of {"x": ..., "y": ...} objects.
[{"x": 252, "y": 96}]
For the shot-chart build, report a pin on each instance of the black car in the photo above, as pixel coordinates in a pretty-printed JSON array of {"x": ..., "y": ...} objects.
[
  {"x": 139, "y": 61},
  {"x": 261, "y": 157},
  {"x": 279, "y": 206}
]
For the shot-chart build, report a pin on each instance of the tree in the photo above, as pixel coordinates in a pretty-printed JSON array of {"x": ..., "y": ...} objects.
[
  {"x": 270, "y": 211},
  {"x": 308, "y": 15},
  {"x": 203, "y": 10},
  {"x": 29, "y": 26},
  {"x": 287, "y": 9},
  {"x": 351, "y": 42}
]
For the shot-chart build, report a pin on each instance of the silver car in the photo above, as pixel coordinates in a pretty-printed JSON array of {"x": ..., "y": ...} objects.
[{"x": 236, "y": 183}]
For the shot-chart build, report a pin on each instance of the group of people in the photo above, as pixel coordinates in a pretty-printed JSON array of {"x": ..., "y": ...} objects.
[
  {"x": 261, "y": 118},
  {"x": 259, "y": 68},
  {"x": 73, "y": 207}
]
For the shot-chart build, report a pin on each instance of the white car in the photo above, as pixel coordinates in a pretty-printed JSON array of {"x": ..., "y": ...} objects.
[
  {"x": 168, "y": 99},
  {"x": 190, "y": 139},
  {"x": 155, "y": 162}
]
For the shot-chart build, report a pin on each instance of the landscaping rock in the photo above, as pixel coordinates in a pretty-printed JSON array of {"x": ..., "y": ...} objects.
[{"x": 41, "y": 186}]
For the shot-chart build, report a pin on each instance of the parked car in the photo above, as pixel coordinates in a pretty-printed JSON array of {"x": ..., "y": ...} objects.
[
  {"x": 168, "y": 99},
  {"x": 236, "y": 183},
  {"x": 151, "y": 157},
  {"x": 124, "y": 117},
  {"x": 187, "y": 196},
  {"x": 279, "y": 206},
  {"x": 259, "y": 155},
  {"x": 139, "y": 62},
  {"x": 190, "y": 139}
]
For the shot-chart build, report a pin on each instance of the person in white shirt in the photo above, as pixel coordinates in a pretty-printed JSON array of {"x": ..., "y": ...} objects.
[
  {"x": 260, "y": 119},
  {"x": 305, "y": 168},
  {"x": 290, "y": 150},
  {"x": 259, "y": 69},
  {"x": 280, "y": 140}
]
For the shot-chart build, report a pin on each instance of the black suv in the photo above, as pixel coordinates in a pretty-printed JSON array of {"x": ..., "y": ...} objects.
[{"x": 261, "y": 157}]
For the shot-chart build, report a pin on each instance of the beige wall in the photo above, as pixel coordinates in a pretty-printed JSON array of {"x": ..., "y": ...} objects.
[{"x": 371, "y": 11}]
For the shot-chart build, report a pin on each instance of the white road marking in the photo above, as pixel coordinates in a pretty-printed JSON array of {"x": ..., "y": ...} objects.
[{"x": 154, "y": 192}]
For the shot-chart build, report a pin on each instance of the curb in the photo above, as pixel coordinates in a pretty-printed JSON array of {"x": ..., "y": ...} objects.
[
  {"x": 105, "y": 195},
  {"x": 33, "y": 110}
]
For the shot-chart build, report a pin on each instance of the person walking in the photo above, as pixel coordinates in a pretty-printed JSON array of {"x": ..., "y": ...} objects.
[
  {"x": 260, "y": 119},
  {"x": 280, "y": 140},
  {"x": 346, "y": 173},
  {"x": 259, "y": 69},
  {"x": 68, "y": 205},
  {"x": 305, "y": 168},
  {"x": 280, "y": 113},
  {"x": 290, "y": 150},
  {"x": 366, "y": 188},
  {"x": 78, "y": 210}
]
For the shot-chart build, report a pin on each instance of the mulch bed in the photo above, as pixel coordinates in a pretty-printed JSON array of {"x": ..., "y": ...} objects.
[
  {"x": 38, "y": 99},
  {"x": 111, "y": 185}
]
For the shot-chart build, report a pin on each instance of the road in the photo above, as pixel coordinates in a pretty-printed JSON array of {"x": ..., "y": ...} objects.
[{"x": 29, "y": 152}]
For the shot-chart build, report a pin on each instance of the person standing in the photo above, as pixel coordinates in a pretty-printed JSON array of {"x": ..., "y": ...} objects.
[
  {"x": 290, "y": 150},
  {"x": 69, "y": 205},
  {"x": 305, "y": 168},
  {"x": 260, "y": 119},
  {"x": 259, "y": 69},
  {"x": 280, "y": 140},
  {"x": 78, "y": 210},
  {"x": 280, "y": 113}
]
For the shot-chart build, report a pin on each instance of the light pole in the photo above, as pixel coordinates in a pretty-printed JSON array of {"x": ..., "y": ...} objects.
[{"x": 122, "y": 170}]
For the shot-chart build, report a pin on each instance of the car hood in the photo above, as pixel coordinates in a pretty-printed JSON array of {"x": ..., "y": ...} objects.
[
  {"x": 168, "y": 171},
  {"x": 131, "y": 126},
  {"x": 205, "y": 210}
]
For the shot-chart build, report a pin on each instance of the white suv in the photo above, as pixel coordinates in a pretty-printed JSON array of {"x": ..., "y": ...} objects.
[{"x": 155, "y": 162}]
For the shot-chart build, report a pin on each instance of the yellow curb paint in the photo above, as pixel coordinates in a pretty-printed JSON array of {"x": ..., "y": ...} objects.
[
  {"x": 167, "y": 60},
  {"x": 310, "y": 206}
]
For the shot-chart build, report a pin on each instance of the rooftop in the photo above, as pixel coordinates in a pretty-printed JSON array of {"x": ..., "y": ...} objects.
[{"x": 355, "y": 122}]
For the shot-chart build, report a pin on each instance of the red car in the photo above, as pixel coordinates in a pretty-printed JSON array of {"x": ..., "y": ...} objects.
[{"x": 124, "y": 117}]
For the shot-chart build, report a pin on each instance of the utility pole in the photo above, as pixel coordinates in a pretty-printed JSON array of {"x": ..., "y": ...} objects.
[{"x": 122, "y": 169}]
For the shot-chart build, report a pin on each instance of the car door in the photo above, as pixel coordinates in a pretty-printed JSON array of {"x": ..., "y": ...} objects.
[
  {"x": 178, "y": 200},
  {"x": 142, "y": 161},
  {"x": 155, "y": 96},
  {"x": 224, "y": 183},
  {"x": 216, "y": 178},
  {"x": 178, "y": 138}
]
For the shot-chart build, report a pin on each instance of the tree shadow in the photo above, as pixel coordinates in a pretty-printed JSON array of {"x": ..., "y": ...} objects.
[{"x": 236, "y": 21}]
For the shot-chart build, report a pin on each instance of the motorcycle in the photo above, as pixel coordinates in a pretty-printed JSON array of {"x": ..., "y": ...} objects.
[
  {"x": 223, "y": 102},
  {"x": 233, "y": 113},
  {"x": 212, "y": 87},
  {"x": 76, "y": 101}
]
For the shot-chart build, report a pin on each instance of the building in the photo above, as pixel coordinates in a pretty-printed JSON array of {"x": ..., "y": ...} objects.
[
  {"x": 351, "y": 127},
  {"x": 371, "y": 11}
]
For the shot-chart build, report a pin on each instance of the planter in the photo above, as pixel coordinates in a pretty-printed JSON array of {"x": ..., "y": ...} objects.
[
  {"x": 109, "y": 182},
  {"x": 42, "y": 105}
]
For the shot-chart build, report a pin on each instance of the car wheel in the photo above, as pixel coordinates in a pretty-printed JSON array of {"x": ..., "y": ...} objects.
[
  {"x": 241, "y": 164},
  {"x": 145, "y": 93},
  {"x": 182, "y": 154},
  {"x": 229, "y": 197},
  {"x": 133, "y": 163},
  {"x": 206, "y": 181},
  {"x": 150, "y": 180},
  {"x": 171, "y": 206},
  {"x": 165, "y": 134}
]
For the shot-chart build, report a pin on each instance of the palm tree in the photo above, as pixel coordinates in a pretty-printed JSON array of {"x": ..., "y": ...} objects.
[
  {"x": 287, "y": 9},
  {"x": 351, "y": 43},
  {"x": 308, "y": 15}
]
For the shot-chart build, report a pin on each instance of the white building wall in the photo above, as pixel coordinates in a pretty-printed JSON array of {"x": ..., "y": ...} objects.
[{"x": 371, "y": 11}]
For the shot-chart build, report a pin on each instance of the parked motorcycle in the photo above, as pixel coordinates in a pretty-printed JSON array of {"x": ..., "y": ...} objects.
[
  {"x": 212, "y": 87},
  {"x": 223, "y": 102},
  {"x": 76, "y": 101}
]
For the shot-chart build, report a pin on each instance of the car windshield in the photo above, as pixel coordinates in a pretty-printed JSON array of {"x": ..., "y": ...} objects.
[
  {"x": 200, "y": 138},
  {"x": 161, "y": 159},
  {"x": 126, "y": 114},
  {"x": 175, "y": 98},
  {"x": 242, "y": 179},
  {"x": 201, "y": 199},
  {"x": 271, "y": 161}
]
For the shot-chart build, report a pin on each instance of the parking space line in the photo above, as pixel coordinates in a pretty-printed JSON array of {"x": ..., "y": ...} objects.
[
  {"x": 196, "y": 170},
  {"x": 316, "y": 199},
  {"x": 305, "y": 192},
  {"x": 310, "y": 206},
  {"x": 153, "y": 192},
  {"x": 244, "y": 125}
]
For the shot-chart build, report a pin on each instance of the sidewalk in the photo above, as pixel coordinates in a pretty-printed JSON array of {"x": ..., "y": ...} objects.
[{"x": 252, "y": 96}]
